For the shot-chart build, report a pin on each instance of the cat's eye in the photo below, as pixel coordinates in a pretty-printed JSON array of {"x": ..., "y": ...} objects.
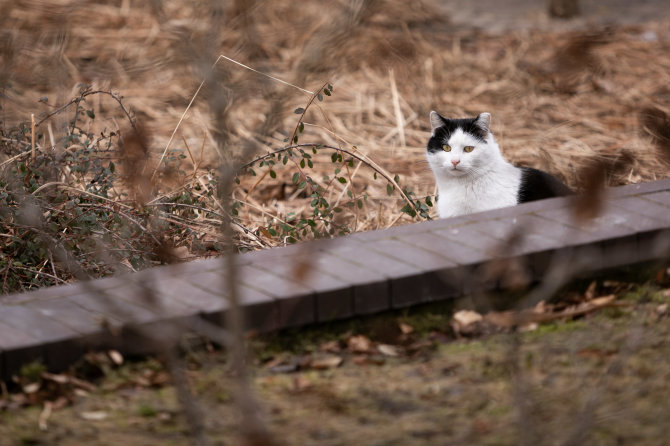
[
  {"x": 469, "y": 149},
  {"x": 446, "y": 147}
]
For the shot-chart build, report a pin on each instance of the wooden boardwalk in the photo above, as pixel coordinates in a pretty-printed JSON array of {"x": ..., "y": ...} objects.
[{"x": 332, "y": 279}]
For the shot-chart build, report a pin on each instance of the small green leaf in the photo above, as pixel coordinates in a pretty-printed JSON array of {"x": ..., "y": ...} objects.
[
  {"x": 359, "y": 203},
  {"x": 296, "y": 178},
  {"x": 301, "y": 127},
  {"x": 389, "y": 189},
  {"x": 299, "y": 111},
  {"x": 408, "y": 209},
  {"x": 396, "y": 178},
  {"x": 310, "y": 164},
  {"x": 319, "y": 97},
  {"x": 284, "y": 160},
  {"x": 90, "y": 114},
  {"x": 295, "y": 139},
  {"x": 333, "y": 157},
  {"x": 302, "y": 185},
  {"x": 375, "y": 175},
  {"x": 429, "y": 202},
  {"x": 273, "y": 174},
  {"x": 342, "y": 180},
  {"x": 337, "y": 209},
  {"x": 326, "y": 92},
  {"x": 302, "y": 163}
]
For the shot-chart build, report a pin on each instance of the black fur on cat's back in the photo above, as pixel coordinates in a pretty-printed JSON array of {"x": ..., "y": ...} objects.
[{"x": 538, "y": 185}]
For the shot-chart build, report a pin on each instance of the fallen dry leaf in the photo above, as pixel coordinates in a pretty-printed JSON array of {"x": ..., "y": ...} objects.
[
  {"x": 662, "y": 309},
  {"x": 369, "y": 359},
  {"x": 60, "y": 379},
  {"x": 300, "y": 384},
  {"x": 326, "y": 362},
  {"x": 59, "y": 403},
  {"x": 331, "y": 347},
  {"x": 116, "y": 357},
  {"x": 284, "y": 368},
  {"x": 84, "y": 385},
  {"x": 467, "y": 317},
  {"x": 532, "y": 326},
  {"x": 526, "y": 319},
  {"x": 44, "y": 416},
  {"x": 505, "y": 319},
  {"x": 466, "y": 322},
  {"x": 405, "y": 328},
  {"x": 81, "y": 393},
  {"x": 181, "y": 252},
  {"x": 423, "y": 344},
  {"x": 590, "y": 292},
  {"x": 387, "y": 350},
  {"x": 541, "y": 307},
  {"x": 31, "y": 388},
  {"x": 97, "y": 415},
  {"x": 595, "y": 353},
  {"x": 359, "y": 344}
]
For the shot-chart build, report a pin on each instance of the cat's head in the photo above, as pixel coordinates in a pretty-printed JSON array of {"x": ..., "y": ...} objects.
[{"x": 459, "y": 147}]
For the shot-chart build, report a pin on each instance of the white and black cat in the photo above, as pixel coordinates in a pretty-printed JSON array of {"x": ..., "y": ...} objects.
[{"x": 471, "y": 173}]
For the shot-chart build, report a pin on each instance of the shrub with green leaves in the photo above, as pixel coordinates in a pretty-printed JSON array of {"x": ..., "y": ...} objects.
[{"x": 86, "y": 208}]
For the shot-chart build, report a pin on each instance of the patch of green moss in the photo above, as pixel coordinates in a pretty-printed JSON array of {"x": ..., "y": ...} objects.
[
  {"x": 32, "y": 371},
  {"x": 555, "y": 327},
  {"x": 146, "y": 410},
  {"x": 458, "y": 347}
]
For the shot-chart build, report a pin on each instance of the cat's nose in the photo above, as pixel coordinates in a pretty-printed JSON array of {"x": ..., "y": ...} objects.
[{"x": 455, "y": 162}]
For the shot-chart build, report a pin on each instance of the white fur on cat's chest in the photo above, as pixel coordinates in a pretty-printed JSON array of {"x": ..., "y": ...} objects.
[{"x": 496, "y": 189}]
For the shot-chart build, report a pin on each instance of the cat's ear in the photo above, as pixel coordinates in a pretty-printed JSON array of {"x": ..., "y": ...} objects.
[
  {"x": 483, "y": 121},
  {"x": 436, "y": 121}
]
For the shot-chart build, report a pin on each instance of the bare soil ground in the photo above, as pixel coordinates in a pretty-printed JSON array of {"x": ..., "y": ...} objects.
[{"x": 394, "y": 379}]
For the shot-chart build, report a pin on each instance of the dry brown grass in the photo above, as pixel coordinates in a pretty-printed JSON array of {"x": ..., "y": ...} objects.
[{"x": 558, "y": 100}]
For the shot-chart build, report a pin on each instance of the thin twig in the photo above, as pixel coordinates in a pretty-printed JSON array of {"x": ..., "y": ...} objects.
[
  {"x": 62, "y": 185},
  {"x": 304, "y": 110},
  {"x": 85, "y": 94},
  {"x": 32, "y": 134},
  {"x": 371, "y": 164},
  {"x": 195, "y": 95},
  {"x": 40, "y": 273},
  {"x": 221, "y": 216}
]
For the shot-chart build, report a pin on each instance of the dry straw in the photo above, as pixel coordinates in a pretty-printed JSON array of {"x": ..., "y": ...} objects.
[{"x": 390, "y": 66}]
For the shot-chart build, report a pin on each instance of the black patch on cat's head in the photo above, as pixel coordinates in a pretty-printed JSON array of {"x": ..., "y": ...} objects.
[{"x": 443, "y": 128}]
